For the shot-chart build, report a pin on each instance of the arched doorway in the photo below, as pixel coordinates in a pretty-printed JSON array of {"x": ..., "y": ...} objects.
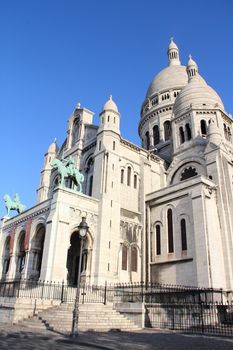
[
  {"x": 73, "y": 256},
  {"x": 36, "y": 253}
]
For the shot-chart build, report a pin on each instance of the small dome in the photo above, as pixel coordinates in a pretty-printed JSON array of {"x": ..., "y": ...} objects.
[
  {"x": 110, "y": 105},
  {"x": 172, "y": 45},
  {"x": 169, "y": 78},
  {"x": 53, "y": 147},
  {"x": 196, "y": 94},
  {"x": 191, "y": 62}
]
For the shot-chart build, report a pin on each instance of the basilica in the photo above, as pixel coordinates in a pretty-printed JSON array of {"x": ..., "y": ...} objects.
[{"x": 159, "y": 212}]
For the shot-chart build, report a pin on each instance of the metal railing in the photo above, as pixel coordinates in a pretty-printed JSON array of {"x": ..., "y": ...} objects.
[{"x": 125, "y": 292}]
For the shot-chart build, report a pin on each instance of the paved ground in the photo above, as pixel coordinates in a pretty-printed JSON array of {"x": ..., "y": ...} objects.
[{"x": 21, "y": 338}]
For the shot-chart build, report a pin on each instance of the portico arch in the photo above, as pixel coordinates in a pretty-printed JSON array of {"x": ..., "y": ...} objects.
[
  {"x": 36, "y": 251},
  {"x": 73, "y": 256},
  {"x": 20, "y": 254},
  {"x": 6, "y": 257}
]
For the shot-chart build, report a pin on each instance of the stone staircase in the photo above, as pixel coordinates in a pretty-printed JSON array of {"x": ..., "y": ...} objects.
[{"x": 92, "y": 317}]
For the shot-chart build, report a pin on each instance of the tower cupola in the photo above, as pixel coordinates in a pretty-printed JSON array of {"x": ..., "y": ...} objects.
[
  {"x": 173, "y": 54},
  {"x": 192, "y": 69},
  {"x": 110, "y": 117}
]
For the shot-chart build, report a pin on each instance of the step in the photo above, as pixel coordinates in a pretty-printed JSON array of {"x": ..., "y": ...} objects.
[{"x": 95, "y": 316}]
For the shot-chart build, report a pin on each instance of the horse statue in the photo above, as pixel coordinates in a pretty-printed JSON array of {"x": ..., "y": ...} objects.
[
  {"x": 68, "y": 170},
  {"x": 13, "y": 204}
]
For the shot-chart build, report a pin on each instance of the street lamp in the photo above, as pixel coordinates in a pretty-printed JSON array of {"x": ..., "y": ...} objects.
[{"x": 82, "y": 229}]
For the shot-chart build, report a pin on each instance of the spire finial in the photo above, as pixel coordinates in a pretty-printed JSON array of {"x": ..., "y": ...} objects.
[
  {"x": 171, "y": 39},
  {"x": 78, "y": 105},
  {"x": 55, "y": 140},
  {"x": 110, "y": 97}
]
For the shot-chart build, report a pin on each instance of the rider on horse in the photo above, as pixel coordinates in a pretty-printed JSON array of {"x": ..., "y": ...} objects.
[{"x": 70, "y": 164}]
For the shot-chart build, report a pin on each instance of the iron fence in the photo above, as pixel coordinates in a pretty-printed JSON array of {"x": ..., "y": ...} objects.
[
  {"x": 214, "y": 318},
  {"x": 122, "y": 292}
]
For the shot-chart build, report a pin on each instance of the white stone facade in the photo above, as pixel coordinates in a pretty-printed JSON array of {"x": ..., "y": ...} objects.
[{"x": 161, "y": 212}]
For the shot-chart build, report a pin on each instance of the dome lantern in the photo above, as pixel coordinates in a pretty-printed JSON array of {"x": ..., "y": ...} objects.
[{"x": 173, "y": 54}]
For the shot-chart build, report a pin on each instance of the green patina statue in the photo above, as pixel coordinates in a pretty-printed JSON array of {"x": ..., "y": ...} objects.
[
  {"x": 13, "y": 204},
  {"x": 68, "y": 170}
]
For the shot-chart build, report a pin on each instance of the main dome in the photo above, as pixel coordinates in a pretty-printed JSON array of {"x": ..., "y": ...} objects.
[{"x": 169, "y": 78}]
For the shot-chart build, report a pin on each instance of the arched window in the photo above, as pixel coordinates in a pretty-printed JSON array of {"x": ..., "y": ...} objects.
[
  {"x": 167, "y": 130},
  {"x": 90, "y": 185},
  {"x": 134, "y": 259},
  {"x": 88, "y": 178},
  {"x": 75, "y": 131},
  {"x": 203, "y": 127},
  {"x": 188, "y": 172},
  {"x": 156, "y": 134},
  {"x": 114, "y": 145},
  {"x": 128, "y": 176},
  {"x": 228, "y": 133},
  {"x": 147, "y": 140},
  {"x": 188, "y": 131},
  {"x": 170, "y": 231},
  {"x": 124, "y": 261},
  {"x": 108, "y": 118},
  {"x": 122, "y": 176},
  {"x": 135, "y": 181},
  {"x": 158, "y": 240},
  {"x": 181, "y": 132},
  {"x": 183, "y": 234}
]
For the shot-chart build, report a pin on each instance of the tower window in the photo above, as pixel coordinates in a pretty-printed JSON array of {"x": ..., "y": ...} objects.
[
  {"x": 147, "y": 140},
  {"x": 114, "y": 145},
  {"x": 99, "y": 145},
  {"x": 75, "y": 131},
  {"x": 122, "y": 176},
  {"x": 135, "y": 181},
  {"x": 167, "y": 130},
  {"x": 183, "y": 234},
  {"x": 181, "y": 133},
  {"x": 124, "y": 258},
  {"x": 156, "y": 134},
  {"x": 134, "y": 259},
  {"x": 128, "y": 176},
  {"x": 170, "y": 231},
  {"x": 158, "y": 240},
  {"x": 90, "y": 185},
  {"x": 203, "y": 127},
  {"x": 108, "y": 118},
  {"x": 188, "y": 131}
]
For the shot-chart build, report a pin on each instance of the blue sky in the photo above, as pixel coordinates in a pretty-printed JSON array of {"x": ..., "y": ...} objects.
[{"x": 55, "y": 53}]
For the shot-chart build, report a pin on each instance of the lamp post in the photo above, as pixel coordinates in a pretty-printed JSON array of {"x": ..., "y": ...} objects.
[{"x": 82, "y": 229}]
